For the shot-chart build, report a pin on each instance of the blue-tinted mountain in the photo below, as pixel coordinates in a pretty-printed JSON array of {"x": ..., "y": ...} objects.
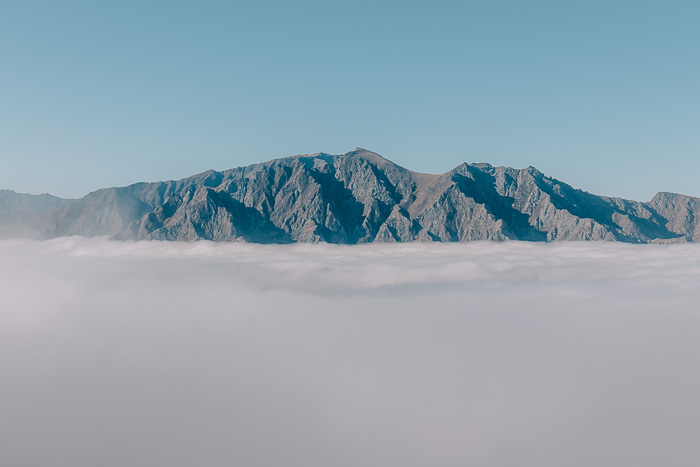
[
  {"x": 16, "y": 207},
  {"x": 360, "y": 197}
]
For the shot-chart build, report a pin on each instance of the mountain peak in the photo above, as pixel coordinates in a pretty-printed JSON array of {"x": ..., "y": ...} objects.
[
  {"x": 374, "y": 159},
  {"x": 362, "y": 152},
  {"x": 356, "y": 197},
  {"x": 482, "y": 165}
]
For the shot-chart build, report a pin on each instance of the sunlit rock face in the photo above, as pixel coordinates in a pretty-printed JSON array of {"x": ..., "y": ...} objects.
[{"x": 357, "y": 197}]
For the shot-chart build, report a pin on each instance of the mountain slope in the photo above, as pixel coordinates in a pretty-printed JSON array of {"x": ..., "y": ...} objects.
[
  {"x": 31, "y": 204},
  {"x": 360, "y": 197},
  {"x": 16, "y": 207}
]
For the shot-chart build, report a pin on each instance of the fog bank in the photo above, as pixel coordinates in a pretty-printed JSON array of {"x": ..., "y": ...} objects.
[{"x": 479, "y": 354}]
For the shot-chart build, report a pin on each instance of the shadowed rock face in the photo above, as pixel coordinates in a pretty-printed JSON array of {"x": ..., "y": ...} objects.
[{"x": 360, "y": 197}]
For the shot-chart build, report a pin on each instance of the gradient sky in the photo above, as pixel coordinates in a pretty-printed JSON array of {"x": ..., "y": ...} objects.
[{"x": 603, "y": 95}]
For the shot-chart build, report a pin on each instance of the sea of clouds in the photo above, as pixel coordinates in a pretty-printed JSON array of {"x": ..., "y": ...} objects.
[{"x": 479, "y": 354}]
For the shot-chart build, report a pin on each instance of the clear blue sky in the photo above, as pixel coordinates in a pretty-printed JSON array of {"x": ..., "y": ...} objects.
[{"x": 604, "y": 95}]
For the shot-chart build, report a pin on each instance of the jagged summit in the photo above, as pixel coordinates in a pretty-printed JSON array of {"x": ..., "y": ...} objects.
[{"x": 356, "y": 197}]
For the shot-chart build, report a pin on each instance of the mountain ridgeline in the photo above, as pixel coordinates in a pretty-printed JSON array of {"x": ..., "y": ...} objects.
[{"x": 357, "y": 197}]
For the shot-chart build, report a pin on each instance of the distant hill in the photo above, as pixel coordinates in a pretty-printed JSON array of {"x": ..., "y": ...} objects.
[
  {"x": 20, "y": 206},
  {"x": 351, "y": 198}
]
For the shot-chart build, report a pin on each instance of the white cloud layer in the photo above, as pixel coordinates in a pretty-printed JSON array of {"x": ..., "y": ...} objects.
[{"x": 480, "y": 354}]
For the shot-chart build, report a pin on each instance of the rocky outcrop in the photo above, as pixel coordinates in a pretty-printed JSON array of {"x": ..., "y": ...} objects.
[
  {"x": 680, "y": 214},
  {"x": 360, "y": 197}
]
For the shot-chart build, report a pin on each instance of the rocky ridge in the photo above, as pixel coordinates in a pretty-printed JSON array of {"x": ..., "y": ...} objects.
[{"x": 357, "y": 197}]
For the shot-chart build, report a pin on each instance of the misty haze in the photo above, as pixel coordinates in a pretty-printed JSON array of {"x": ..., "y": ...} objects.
[{"x": 488, "y": 354}]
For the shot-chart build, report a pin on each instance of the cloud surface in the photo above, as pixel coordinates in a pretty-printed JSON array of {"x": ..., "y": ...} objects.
[{"x": 480, "y": 354}]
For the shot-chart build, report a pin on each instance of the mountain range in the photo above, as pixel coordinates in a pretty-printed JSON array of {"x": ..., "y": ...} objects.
[{"x": 357, "y": 197}]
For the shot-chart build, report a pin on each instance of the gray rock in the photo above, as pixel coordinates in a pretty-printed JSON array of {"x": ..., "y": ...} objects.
[
  {"x": 680, "y": 213},
  {"x": 361, "y": 197}
]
